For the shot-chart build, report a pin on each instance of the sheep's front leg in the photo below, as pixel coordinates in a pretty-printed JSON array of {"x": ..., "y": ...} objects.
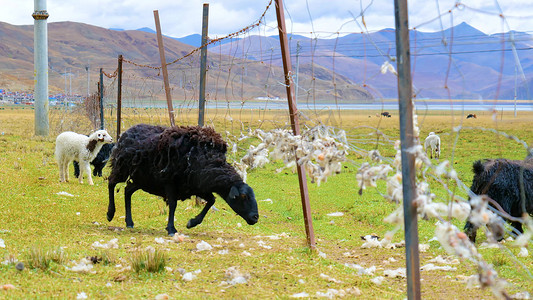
[
  {"x": 111, "y": 206},
  {"x": 85, "y": 167},
  {"x": 172, "y": 200},
  {"x": 128, "y": 191},
  {"x": 471, "y": 231},
  {"x": 518, "y": 226},
  {"x": 172, "y": 203},
  {"x": 200, "y": 217}
]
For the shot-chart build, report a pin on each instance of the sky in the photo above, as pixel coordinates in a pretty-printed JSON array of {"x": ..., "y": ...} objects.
[{"x": 317, "y": 18}]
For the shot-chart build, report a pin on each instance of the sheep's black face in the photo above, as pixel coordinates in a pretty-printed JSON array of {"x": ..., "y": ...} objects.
[
  {"x": 241, "y": 199},
  {"x": 497, "y": 228}
]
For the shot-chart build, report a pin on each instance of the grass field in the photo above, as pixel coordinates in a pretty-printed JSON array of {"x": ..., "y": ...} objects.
[{"x": 40, "y": 223}]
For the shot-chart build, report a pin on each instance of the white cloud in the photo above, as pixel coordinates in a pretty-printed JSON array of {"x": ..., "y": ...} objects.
[{"x": 180, "y": 18}]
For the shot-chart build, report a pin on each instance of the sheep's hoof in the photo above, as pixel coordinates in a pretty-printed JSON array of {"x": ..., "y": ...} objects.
[
  {"x": 192, "y": 223},
  {"x": 129, "y": 226},
  {"x": 110, "y": 216}
]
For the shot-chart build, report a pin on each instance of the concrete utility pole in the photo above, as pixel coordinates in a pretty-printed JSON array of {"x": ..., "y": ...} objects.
[
  {"x": 40, "y": 40},
  {"x": 203, "y": 65}
]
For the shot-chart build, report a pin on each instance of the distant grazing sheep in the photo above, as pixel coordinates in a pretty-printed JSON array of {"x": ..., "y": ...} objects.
[
  {"x": 386, "y": 114},
  {"x": 71, "y": 146},
  {"x": 433, "y": 143},
  {"x": 471, "y": 116},
  {"x": 500, "y": 179},
  {"x": 177, "y": 163}
]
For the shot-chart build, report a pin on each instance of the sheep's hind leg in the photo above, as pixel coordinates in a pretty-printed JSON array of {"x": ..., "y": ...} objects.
[
  {"x": 200, "y": 217},
  {"x": 65, "y": 170},
  {"x": 128, "y": 191},
  {"x": 61, "y": 174}
]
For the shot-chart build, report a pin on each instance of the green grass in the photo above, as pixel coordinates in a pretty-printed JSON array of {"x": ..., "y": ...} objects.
[
  {"x": 36, "y": 221},
  {"x": 149, "y": 260},
  {"x": 38, "y": 258}
]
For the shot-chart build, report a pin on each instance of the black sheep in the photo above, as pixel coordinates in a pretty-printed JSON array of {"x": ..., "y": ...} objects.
[
  {"x": 386, "y": 114},
  {"x": 501, "y": 180},
  {"x": 177, "y": 163},
  {"x": 98, "y": 162}
]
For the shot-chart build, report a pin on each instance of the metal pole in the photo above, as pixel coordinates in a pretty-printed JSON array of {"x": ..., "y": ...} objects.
[
  {"x": 203, "y": 66},
  {"x": 515, "y": 88},
  {"x": 65, "y": 90},
  {"x": 88, "y": 80},
  {"x": 164, "y": 67},
  {"x": 407, "y": 142},
  {"x": 40, "y": 56},
  {"x": 70, "y": 82},
  {"x": 119, "y": 96},
  {"x": 518, "y": 68},
  {"x": 293, "y": 112},
  {"x": 298, "y": 48},
  {"x": 101, "y": 98}
]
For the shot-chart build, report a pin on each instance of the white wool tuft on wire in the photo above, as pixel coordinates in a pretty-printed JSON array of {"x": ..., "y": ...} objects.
[
  {"x": 320, "y": 150},
  {"x": 451, "y": 239},
  {"x": 457, "y": 243}
]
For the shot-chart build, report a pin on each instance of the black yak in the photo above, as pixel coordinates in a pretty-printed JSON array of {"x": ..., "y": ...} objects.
[
  {"x": 98, "y": 162},
  {"x": 504, "y": 181},
  {"x": 177, "y": 163}
]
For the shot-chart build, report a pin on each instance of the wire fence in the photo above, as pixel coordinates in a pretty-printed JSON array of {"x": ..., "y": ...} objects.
[{"x": 342, "y": 78}]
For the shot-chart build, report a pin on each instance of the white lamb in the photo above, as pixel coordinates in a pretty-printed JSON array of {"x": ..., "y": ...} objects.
[
  {"x": 433, "y": 142},
  {"x": 71, "y": 146}
]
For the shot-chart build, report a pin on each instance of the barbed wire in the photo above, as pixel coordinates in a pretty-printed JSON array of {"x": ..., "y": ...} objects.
[{"x": 210, "y": 42}]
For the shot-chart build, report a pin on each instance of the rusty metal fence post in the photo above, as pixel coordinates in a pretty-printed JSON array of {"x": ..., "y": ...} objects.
[
  {"x": 407, "y": 141},
  {"x": 164, "y": 67},
  {"x": 293, "y": 112},
  {"x": 119, "y": 95},
  {"x": 203, "y": 65}
]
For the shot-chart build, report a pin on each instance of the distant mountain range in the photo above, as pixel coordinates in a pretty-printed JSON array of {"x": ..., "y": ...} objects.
[
  {"x": 74, "y": 46},
  {"x": 459, "y": 63}
]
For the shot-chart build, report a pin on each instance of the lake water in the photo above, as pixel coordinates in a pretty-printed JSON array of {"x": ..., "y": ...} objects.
[{"x": 456, "y": 106}]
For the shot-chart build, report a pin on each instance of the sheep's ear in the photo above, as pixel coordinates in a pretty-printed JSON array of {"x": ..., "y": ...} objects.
[{"x": 233, "y": 193}]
